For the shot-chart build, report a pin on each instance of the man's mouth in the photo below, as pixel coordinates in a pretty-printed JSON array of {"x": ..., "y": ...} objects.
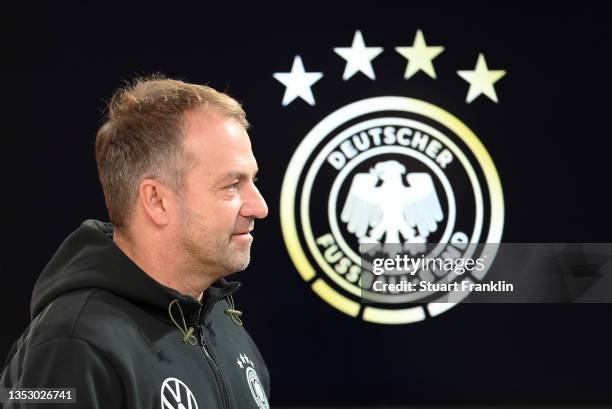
[{"x": 243, "y": 233}]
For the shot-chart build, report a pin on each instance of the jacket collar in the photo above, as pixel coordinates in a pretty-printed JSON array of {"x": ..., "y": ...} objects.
[{"x": 89, "y": 258}]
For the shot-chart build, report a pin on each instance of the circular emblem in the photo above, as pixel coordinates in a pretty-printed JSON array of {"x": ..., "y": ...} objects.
[
  {"x": 256, "y": 389},
  {"x": 176, "y": 395},
  {"x": 388, "y": 170}
]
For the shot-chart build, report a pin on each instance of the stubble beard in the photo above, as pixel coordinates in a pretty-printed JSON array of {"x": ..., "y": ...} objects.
[{"x": 208, "y": 253}]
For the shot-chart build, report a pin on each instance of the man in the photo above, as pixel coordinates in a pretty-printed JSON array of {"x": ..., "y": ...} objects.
[{"x": 137, "y": 313}]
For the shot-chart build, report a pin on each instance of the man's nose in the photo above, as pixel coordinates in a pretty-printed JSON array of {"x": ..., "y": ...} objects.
[{"x": 254, "y": 205}]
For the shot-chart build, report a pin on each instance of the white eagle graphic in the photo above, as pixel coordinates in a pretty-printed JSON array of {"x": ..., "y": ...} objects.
[{"x": 392, "y": 209}]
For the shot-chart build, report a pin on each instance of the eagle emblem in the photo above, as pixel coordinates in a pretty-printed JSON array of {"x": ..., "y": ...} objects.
[{"x": 402, "y": 214}]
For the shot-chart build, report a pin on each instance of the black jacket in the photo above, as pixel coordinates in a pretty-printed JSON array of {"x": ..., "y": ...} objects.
[{"x": 103, "y": 326}]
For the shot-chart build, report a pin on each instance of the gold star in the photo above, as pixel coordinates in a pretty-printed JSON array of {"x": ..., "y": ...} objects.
[
  {"x": 419, "y": 56},
  {"x": 481, "y": 80}
]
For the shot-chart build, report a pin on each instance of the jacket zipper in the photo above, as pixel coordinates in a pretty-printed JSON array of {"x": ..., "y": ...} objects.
[{"x": 217, "y": 372}]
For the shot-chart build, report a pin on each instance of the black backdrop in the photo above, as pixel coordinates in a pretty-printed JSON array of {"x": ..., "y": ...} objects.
[{"x": 548, "y": 136}]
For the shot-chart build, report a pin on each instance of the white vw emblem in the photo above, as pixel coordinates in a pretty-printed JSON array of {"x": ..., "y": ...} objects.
[{"x": 176, "y": 395}]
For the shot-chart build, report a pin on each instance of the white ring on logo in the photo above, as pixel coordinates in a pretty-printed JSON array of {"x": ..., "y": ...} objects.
[{"x": 318, "y": 162}]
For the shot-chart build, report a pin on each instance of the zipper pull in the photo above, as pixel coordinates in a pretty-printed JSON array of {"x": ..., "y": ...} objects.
[{"x": 201, "y": 335}]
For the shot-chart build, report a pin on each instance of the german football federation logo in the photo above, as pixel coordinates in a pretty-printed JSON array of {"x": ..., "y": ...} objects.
[
  {"x": 387, "y": 170},
  {"x": 255, "y": 386}
]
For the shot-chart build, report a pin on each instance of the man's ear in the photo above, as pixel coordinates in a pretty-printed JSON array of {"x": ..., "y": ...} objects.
[{"x": 157, "y": 201}]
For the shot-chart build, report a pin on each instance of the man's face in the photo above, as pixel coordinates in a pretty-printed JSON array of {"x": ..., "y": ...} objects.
[{"x": 220, "y": 201}]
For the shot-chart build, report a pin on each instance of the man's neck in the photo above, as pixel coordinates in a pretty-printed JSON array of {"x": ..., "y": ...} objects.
[{"x": 164, "y": 266}]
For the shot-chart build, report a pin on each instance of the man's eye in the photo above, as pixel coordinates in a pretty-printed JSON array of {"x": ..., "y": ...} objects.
[{"x": 233, "y": 186}]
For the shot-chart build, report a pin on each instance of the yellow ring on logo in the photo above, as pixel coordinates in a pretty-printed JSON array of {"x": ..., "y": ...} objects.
[{"x": 313, "y": 139}]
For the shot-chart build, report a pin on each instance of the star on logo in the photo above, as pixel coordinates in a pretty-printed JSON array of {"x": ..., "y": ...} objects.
[
  {"x": 298, "y": 82},
  {"x": 358, "y": 57},
  {"x": 419, "y": 56},
  {"x": 481, "y": 80}
]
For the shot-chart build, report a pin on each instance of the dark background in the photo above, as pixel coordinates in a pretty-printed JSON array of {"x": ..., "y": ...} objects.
[{"x": 549, "y": 137}]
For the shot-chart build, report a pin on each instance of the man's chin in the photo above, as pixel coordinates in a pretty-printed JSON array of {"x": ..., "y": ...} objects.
[{"x": 237, "y": 263}]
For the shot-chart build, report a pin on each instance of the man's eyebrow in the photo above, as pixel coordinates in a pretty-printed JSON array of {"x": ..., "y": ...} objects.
[{"x": 236, "y": 174}]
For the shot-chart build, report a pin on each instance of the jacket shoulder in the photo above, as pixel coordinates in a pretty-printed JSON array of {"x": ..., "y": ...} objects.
[{"x": 92, "y": 315}]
